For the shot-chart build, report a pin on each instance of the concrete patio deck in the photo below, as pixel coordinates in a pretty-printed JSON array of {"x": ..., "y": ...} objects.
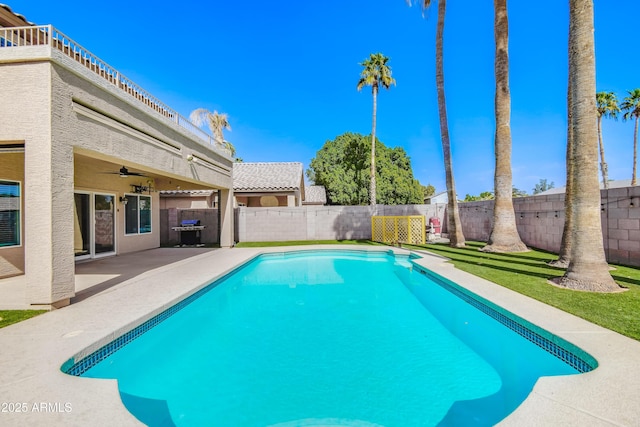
[{"x": 116, "y": 294}]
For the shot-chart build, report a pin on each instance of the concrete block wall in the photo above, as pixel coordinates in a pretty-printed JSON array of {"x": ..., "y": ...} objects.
[
  {"x": 173, "y": 217},
  {"x": 540, "y": 221},
  {"x": 319, "y": 222}
]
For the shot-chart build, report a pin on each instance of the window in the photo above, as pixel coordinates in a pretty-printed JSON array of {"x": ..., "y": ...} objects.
[
  {"x": 9, "y": 213},
  {"x": 137, "y": 216}
]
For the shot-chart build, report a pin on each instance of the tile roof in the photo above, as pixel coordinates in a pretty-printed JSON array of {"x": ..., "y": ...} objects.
[
  {"x": 315, "y": 194},
  {"x": 267, "y": 176},
  {"x": 14, "y": 19},
  {"x": 186, "y": 192}
]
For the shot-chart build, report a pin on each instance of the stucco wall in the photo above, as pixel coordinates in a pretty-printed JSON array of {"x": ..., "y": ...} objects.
[
  {"x": 319, "y": 222},
  {"x": 540, "y": 220},
  {"x": 65, "y": 114}
]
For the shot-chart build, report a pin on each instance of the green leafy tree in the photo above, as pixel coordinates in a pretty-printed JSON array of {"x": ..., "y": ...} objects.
[
  {"x": 518, "y": 193},
  {"x": 342, "y": 167},
  {"x": 607, "y": 105},
  {"x": 376, "y": 73},
  {"x": 428, "y": 191},
  {"x": 485, "y": 195},
  {"x": 631, "y": 107},
  {"x": 543, "y": 185}
]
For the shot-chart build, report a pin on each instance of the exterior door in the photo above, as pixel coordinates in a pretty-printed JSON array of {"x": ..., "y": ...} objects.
[
  {"x": 104, "y": 224},
  {"x": 94, "y": 225}
]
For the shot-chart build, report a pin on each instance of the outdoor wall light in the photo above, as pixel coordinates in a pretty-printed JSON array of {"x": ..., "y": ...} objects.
[{"x": 123, "y": 200}]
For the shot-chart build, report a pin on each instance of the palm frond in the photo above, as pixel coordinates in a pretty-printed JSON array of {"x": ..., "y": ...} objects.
[
  {"x": 607, "y": 105},
  {"x": 631, "y": 105},
  {"x": 376, "y": 72}
]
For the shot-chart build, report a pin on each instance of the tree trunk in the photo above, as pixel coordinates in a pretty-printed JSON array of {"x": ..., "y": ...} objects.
[
  {"x": 603, "y": 164},
  {"x": 504, "y": 235},
  {"x": 635, "y": 154},
  {"x": 565, "y": 245},
  {"x": 588, "y": 269},
  {"x": 372, "y": 185},
  {"x": 456, "y": 238}
]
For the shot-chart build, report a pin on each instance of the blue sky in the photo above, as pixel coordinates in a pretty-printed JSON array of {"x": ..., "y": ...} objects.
[{"x": 285, "y": 72}]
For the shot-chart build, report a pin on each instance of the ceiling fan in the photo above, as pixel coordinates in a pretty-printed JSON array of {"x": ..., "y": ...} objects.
[{"x": 124, "y": 172}]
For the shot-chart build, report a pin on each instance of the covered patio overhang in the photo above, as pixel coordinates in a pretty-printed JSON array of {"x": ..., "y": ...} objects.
[{"x": 70, "y": 124}]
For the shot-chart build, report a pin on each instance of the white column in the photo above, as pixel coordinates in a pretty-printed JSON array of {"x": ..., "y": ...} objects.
[
  {"x": 49, "y": 231},
  {"x": 225, "y": 198}
]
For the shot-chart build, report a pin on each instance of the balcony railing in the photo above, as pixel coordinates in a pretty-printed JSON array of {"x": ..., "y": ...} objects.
[{"x": 42, "y": 35}]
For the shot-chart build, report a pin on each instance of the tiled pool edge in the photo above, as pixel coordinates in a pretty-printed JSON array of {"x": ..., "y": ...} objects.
[
  {"x": 559, "y": 347},
  {"x": 34, "y": 375},
  {"x": 82, "y": 361},
  {"x": 564, "y": 350},
  {"x": 87, "y": 358}
]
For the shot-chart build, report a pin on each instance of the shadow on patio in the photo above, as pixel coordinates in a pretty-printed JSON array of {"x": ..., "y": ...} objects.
[{"x": 98, "y": 275}]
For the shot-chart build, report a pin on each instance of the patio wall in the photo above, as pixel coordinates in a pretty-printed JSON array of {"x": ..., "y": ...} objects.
[
  {"x": 173, "y": 217},
  {"x": 319, "y": 222},
  {"x": 540, "y": 220}
]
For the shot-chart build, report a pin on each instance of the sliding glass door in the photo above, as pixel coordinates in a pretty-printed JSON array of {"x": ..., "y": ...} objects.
[
  {"x": 104, "y": 225},
  {"x": 94, "y": 225}
]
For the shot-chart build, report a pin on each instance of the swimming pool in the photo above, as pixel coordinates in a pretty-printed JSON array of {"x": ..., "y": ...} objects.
[{"x": 330, "y": 338}]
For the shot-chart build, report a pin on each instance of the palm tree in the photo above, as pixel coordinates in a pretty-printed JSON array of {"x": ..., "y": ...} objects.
[
  {"x": 376, "y": 73},
  {"x": 217, "y": 122},
  {"x": 588, "y": 269},
  {"x": 631, "y": 107},
  {"x": 565, "y": 245},
  {"x": 454, "y": 226},
  {"x": 607, "y": 105},
  {"x": 504, "y": 235}
]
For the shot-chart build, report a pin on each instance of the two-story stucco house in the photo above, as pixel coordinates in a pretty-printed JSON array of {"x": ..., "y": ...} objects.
[{"x": 83, "y": 154}]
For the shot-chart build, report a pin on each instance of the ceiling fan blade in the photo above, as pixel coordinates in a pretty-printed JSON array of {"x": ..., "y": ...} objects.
[{"x": 124, "y": 172}]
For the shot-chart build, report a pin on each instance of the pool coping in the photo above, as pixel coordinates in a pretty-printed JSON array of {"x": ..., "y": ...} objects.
[{"x": 33, "y": 351}]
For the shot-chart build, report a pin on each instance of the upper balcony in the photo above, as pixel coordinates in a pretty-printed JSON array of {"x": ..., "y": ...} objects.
[{"x": 47, "y": 35}]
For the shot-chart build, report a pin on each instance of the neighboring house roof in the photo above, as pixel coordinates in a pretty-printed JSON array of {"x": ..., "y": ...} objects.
[
  {"x": 185, "y": 193},
  {"x": 9, "y": 18},
  {"x": 315, "y": 194},
  {"x": 267, "y": 176},
  {"x": 619, "y": 183},
  {"x": 440, "y": 196}
]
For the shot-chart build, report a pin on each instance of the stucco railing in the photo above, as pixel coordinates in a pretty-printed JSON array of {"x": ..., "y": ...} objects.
[{"x": 42, "y": 35}]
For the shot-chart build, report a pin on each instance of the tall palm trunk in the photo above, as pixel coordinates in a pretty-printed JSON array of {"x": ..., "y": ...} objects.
[
  {"x": 635, "y": 154},
  {"x": 456, "y": 238},
  {"x": 565, "y": 245},
  {"x": 603, "y": 164},
  {"x": 372, "y": 184},
  {"x": 588, "y": 269},
  {"x": 504, "y": 233}
]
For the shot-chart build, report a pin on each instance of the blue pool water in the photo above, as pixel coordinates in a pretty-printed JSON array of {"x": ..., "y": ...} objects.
[{"x": 330, "y": 338}]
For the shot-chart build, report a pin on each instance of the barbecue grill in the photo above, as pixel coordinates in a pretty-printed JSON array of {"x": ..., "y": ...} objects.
[{"x": 190, "y": 231}]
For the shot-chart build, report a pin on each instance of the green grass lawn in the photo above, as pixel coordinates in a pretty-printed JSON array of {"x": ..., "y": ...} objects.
[
  {"x": 9, "y": 317},
  {"x": 527, "y": 273}
]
